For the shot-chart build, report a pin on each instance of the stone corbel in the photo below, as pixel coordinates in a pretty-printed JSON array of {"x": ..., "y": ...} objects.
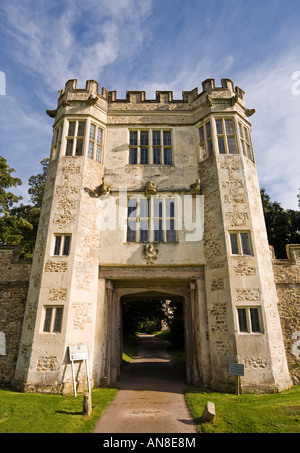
[
  {"x": 51, "y": 113},
  {"x": 209, "y": 100},
  {"x": 234, "y": 99},
  {"x": 103, "y": 189},
  {"x": 195, "y": 188},
  {"x": 150, "y": 188},
  {"x": 250, "y": 112},
  {"x": 92, "y": 100}
]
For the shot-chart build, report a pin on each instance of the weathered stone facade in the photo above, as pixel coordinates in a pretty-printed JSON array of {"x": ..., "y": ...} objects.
[
  {"x": 14, "y": 287},
  {"x": 14, "y": 281},
  {"x": 183, "y": 172},
  {"x": 287, "y": 279}
]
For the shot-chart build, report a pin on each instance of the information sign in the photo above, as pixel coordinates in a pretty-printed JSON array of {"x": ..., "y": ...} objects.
[
  {"x": 237, "y": 369},
  {"x": 79, "y": 352}
]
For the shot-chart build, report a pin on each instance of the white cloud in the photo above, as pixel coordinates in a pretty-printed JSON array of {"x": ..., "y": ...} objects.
[
  {"x": 276, "y": 131},
  {"x": 76, "y": 43}
]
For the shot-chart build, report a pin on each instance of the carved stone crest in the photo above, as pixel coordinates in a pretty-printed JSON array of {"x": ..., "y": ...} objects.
[
  {"x": 150, "y": 188},
  {"x": 195, "y": 188},
  {"x": 150, "y": 253}
]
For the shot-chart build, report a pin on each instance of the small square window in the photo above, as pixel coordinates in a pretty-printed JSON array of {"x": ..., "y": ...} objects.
[
  {"x": 240, "y": 243},
  {"x": 53, "y": 319},
  {"x": 62, "y": 244},
  {"x": 250, "y": 320}
]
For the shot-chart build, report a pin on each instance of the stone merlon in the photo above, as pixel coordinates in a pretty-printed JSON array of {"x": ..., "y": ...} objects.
[{"x": 91, "y": 91}]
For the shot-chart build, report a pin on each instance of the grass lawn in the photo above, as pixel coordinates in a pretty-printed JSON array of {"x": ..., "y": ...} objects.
[
  {"x": 267, "y": 413},
  {"x": 130, "y": 346},
  {"x": 47, "y": 413}
]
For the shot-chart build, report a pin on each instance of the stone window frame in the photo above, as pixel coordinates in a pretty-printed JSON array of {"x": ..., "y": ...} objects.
[
  {"x": 224, "y": 135},
  {"x": 52, "y": 318},
  {"x": 73, "y": 139},
  {"x": 56, "y": 141},
  {"x": 61, "y": 247},
  {"x": 245, "y": 140},
  {"x": 206, "y": 139},
  {"x": 150, "y": 146},
  {"x": 164, "y": 216},
  {"x": 246, "y": 322},
  {"x": 239, "y": 243},
  {"x": 95, "y": 147}
]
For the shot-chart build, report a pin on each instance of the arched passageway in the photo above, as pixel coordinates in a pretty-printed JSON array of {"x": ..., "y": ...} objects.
[{"x": 184, "y": 292}]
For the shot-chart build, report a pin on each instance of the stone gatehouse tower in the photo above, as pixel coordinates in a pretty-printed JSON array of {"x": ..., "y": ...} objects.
[{"x": 152, "y": 199}]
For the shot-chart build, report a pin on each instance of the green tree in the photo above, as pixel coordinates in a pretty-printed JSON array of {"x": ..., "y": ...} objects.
[
  {"x": 19, "y": 224},
  {"x": 175, "y": 320},
  {"x": 11, "y": 226},
  {"x": 142, "y": 316},
  {"x": 37, "y": 185},
  {"x": 7, "y": 199},
  {"x": 31, "y": 212},
  {"x": 283, "y": 225}
]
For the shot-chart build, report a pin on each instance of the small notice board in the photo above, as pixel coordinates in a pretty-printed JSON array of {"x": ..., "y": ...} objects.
[
  {"x": 77, "y": 353},
  {"x": 237, "y": 369}
]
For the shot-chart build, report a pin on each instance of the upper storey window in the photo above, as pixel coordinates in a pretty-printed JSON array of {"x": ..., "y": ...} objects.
[
  {"x": 206, "y": 139},
  {"x": 77, "y": 131},
  {"x": 56, "y": 142},
  {"x": 75, "y": 137},
  {"x": 245, "y": 141},
  {"x": 226, "y": 136},
  {"x": 150, "y": 147},
  {"x": 95, "y": 142}
]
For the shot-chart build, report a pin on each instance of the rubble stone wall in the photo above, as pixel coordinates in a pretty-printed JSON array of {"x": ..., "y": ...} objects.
[
  {"x": 14, "y": 281},
  {"x": 287, "y": 279}
]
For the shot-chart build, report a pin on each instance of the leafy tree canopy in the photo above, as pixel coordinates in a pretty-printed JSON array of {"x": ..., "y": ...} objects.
[
  {"x": 283, "y": 226},
  {"x": 19, "y": 224},
  {"x": 7, "y": 199}
]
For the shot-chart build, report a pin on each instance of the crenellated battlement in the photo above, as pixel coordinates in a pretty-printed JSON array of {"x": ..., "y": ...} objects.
[{"x": 209, "y": 92}]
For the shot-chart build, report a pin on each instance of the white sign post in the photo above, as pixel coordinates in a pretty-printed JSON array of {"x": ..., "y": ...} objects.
[
  {"x": 237, "y": 369},
  {"x": 76, "y": 353}
]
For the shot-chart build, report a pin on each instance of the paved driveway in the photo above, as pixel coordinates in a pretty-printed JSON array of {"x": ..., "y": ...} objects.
[{"x": 150, "y": 399}]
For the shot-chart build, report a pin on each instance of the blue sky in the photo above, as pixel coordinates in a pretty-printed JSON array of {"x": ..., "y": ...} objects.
[{"x": 153, "y": 45}]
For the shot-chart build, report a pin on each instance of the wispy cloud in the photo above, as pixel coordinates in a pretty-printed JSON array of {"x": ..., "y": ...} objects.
[
  {"x": 154, "y": 45},
  {"x": 276, "y": 132},
  {"x": 73, "y": 39}
]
